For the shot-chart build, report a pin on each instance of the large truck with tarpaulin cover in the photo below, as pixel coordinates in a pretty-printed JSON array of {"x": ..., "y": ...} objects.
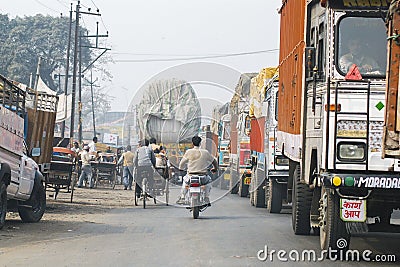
[
  {"x": 331, "y": 108},
  {"x": 170, "y": 112},
  {"x": 240, "y": 156}
]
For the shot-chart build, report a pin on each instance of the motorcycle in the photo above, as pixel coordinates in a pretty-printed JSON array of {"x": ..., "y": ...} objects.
[{"x": 197, "y": 194}]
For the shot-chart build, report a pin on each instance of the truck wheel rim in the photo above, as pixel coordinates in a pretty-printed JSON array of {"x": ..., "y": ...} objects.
[{"x": 323, "y": 212}]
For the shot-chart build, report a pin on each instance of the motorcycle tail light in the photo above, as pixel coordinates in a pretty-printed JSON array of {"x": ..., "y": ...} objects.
[{"x": 194, "y": 185}]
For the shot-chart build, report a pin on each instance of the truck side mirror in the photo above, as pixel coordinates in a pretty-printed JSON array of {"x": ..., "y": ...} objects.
[
  {"x": 310, "y": 60},
  {"x": 35, "y": 152}
]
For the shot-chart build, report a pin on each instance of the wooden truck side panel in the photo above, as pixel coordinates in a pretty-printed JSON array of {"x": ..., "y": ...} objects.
[
  {"x": 291, "y": 58},
  {"x": 392, "y": 121}
]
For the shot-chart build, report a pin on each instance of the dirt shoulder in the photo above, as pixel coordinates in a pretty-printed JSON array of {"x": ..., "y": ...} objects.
[{"x": 63, "y": 219}]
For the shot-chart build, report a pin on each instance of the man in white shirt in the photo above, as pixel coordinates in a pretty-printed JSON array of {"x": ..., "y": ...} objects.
[
  {"x": 198, "y": 161},
  {"x": 86, "y": 171}
]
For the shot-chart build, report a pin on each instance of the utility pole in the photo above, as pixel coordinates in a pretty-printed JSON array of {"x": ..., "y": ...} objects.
[
  {"x": 91, "y": 90},
  {"x": 80, "y": 96},
  {"x": 30, "y": 80},
  {"x": 80, "y": 68},
  {"x": 67, "y": 72},
  {"x": 75, "y": 70},
  {"x": 37, "y": 73}
]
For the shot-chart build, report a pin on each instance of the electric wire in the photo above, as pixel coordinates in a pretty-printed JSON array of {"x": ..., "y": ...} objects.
[
  {"x": 195, "y": 58},
  {"x": 62, "y": 3},
  {"x": 49, "y": 8},
  {"x": 163, "y": 55},
  {"x": 101, "y": 17}
]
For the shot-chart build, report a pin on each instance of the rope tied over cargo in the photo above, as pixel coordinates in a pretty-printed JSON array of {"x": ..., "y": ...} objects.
[
  {"x": 291, "y": 52},
  {"x": 395, "y": 38}
]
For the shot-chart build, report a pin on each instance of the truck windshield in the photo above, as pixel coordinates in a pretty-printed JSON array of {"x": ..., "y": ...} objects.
[{"x": 362, "y": 41}]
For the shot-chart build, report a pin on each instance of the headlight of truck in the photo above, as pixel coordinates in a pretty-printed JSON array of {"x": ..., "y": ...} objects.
[
  {"x": 225, "y": 161},
  {"x": 281, "y": 160},
  {"x": 351, "y": 151},
  {"x": 356, "y": 128}
]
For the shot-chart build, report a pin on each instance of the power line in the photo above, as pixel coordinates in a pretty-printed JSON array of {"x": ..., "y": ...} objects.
[
  {"x": 94, "y": 4},
  {"x": 101, "y": 18},
  {"x": 37, "y": 1},
  {"x": 197, "y": 57},
  {"x": 62, "y": 3},
  {"x": 164, "y": 55}
]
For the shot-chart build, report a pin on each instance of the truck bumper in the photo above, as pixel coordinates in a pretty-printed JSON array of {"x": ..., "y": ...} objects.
[{"x": 366, "y": 181}]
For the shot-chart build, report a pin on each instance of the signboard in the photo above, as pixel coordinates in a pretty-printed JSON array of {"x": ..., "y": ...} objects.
[
  {"x": 353, "y": 210},
  {"x": 358, "y": 4},
  {"x": 111, "y": 139}
]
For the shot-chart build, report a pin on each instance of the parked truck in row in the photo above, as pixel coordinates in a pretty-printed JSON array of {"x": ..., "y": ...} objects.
[
  {"x": 270, "y": 168},
  {"x": 240, "y": 155},
  {"x": 220, "y": 133},
  {"x": 331, "y": 109},
  {"x": 21, "y": 181}
]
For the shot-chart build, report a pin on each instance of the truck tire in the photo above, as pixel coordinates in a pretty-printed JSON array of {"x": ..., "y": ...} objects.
[
  {"x": 235, "y": 188},
  {"x": 3, "y": 203},
  {"x": 243, "y": 189},
  {"x": 333, "y": 233},
  {"x": 259, "y": 196},
  {"x": 33, "y": 209},
  {"x": 252, "y": 194},
  {"x": 274, "y": 197},
  {"x": 252, "y": 189},
  {"x": 301, "y": 205}
]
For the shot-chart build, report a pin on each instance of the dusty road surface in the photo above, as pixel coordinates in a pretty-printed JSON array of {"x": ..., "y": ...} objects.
[{"x": 102, "y": 227}]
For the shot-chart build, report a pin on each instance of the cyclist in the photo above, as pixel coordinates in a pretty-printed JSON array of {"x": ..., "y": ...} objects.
[{"x": 145, "y": 160}]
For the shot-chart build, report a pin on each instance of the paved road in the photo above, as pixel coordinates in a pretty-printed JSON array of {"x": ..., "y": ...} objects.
[{"x": 230, "y": 233}]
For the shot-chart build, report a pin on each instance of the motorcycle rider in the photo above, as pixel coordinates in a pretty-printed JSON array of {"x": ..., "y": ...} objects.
[{"x": 198, "y": 161}]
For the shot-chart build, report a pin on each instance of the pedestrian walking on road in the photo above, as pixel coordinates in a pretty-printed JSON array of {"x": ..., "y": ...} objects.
[
  {"x": 127, "y": 162},
  {"x": 86, "y": 172}
]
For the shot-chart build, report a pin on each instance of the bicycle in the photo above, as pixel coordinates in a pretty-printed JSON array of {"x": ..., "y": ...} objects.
[{"x": 146, "y": 190}]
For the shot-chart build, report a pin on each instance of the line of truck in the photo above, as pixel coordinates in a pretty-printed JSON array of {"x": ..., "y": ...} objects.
[{"x": 323, "y": 134}]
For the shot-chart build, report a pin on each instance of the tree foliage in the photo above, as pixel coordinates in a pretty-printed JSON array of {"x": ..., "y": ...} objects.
[
  {"x": 24, "y": 40},
  {"x": 101, "y": 107}
]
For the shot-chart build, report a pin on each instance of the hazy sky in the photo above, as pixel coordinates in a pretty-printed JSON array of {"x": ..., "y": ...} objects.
[{"x": 161, "y": 29}]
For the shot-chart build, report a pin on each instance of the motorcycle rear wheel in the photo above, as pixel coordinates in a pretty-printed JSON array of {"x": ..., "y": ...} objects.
[{"x": 195, "y": 208}]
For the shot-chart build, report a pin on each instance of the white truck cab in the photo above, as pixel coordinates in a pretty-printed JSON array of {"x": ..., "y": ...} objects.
[{"x": 21, "y": 187}]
